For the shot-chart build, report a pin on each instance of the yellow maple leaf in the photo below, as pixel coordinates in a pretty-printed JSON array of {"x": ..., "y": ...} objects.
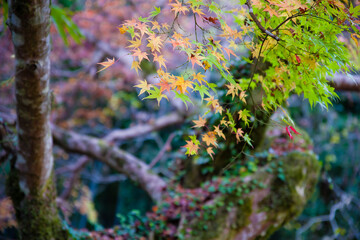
[
  {"x": 136, "y": 66},
  {"x": 106, "y": 64},
  {"x": 232, "y": 90},
  {"x": 181, "y": 84},
  {"x": 219, "y": 132},
  {"x": 155, "y": 42},
  {"x": 144, "y": 86},
  {"x": 135, "y": 44},
  {"x": 199, "y": 77},
  {"x": 160, "y": 59}
]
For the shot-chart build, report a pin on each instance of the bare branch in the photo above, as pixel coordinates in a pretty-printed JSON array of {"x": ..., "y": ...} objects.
[
  {"x": 164, "y": 149},
  {"x": 75, "y": 169},
  {"x": 343, "y": 82},
  {"x": 141, "y": 129},
  {"x": 121, "y": 161}
]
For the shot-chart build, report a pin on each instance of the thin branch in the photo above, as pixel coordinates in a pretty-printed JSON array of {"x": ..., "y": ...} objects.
[
  {"x": 267, "y": 32},
  {"x": 164, "y": 149},
  {"x": 142, "y": 129}
]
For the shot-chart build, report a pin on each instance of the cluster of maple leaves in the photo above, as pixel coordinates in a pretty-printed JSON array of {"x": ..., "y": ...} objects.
[{"x": 223, "y": 37}]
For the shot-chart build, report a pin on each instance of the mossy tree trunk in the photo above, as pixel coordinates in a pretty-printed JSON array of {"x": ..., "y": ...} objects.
[{"x": 30, "y": 182}]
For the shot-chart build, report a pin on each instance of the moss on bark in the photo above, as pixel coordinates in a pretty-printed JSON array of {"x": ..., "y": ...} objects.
[{"x": 36, "y": 214}]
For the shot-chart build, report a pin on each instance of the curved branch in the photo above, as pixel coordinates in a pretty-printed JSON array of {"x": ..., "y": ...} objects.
[
  {"x": 267, "y": 32},
  {"x": 121, "y": 161},
  {"x": 141, "y": 129}
]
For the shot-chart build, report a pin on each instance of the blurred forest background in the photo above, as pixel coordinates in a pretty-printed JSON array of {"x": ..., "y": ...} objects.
[{"x": 106, "y": 105}]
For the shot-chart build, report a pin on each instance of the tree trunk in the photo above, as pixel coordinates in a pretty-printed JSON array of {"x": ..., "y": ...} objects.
[{"x": 30, "y": 183}]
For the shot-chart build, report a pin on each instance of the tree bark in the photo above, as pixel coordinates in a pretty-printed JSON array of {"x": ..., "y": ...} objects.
[{"x": 30, "y": 182}]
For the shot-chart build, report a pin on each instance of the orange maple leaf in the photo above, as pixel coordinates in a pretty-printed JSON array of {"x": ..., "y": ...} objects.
[
  {"x": 239, "y": 133},
  {"x": 136, "y": 66},
  {"x": 106, "y": 64},
  {"x": 192, "y": 148},
  {"x": 199, "y": 123},
  {"x": 209, "y": 138},
  {"x": 229, "y": 51},
  {"x": 196, "y": 58},
  {"x": 178, "y": 7},
  {"x": 181, "y": 84},
  {"x": 164, "y": 85},
  {"x": 210, "y": 152},
  {"x": 141, "y": 55}
]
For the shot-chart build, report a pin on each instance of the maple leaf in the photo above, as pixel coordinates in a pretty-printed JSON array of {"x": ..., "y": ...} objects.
[
  {"x": 165, "y": 25},
  {"x": 144, "y": 87},
  {"x": 210, "y": 152},
  {"x": 197, "y": 11},
  {"x": 271, "y": 11},
  {"x": 143, "y": 28},
  {"x": 136, "y": 66},
  {"x": 219, "y": 132},
  {"x": 191, "y": 148},
  {"x": 160, "y": 59},
  {"x": 131, "y": 23},
  {"x": 135, "y": 44},
  {"x": 199, "y": 123},
  {"x": 196, "y": 58},
  {"x": 156, "y": 94},
  {"x": 232, "y": 90},
  {"x": 141, "y": 55},
  {"x": 229, "y": 51},
  {"x": 199, "y": 77},
  {"x": 209, "y": 138},
  {"x": 242, "y": 96},
  {"x": 156, "y": 26},
  {"x": 239, "y": 133},
  {"x": 164, "y": 85},
  {"x": 155, "y": 42},
  {"x": 181, "y": 84},
  {"x": 244, "y": 114},
  {"x": 211, "y": 19},
  {"x": 178, "y": 7},
  {"x": 123, "y": 29},
  {"x": 106, "y": 64},
  {"x": 248, "y": 140}
]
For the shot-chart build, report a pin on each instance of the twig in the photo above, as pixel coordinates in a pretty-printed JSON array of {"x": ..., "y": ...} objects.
[
  {"x": 164, "y": 149},
  {"x": 267, "y": 32}
]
